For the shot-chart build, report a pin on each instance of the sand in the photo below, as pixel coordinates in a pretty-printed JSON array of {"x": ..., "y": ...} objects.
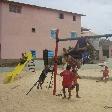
[{"x": 94, "y": 95}]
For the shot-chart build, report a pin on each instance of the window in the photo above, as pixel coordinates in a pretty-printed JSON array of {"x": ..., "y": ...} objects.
[
  {"x": 33, "y": 30},
  {"x": 34, "y": 53},
  {"x": 73, "y": 34},
  {"x": 106, "y": 53},
  {"x": 74, "y": 18},
  {"x": 53, "y": 33},
  {"x": 15, "y": 8},
  {"x": 50, "y": 54},
  {"x": 61, "y": 16}
]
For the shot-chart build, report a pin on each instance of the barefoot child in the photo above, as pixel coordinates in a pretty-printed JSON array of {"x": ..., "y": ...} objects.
[
  {"x": 67, "y": 80},
  {"x": 43, "y": 76},
  {"x": 105, "y": 74},
  {"x": 75, "y": 83},
  {"x": 23, "y": 59}
]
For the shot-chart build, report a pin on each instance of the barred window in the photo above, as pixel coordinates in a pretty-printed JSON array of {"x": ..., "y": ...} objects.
[
  {"x": 74, "y": 18},
  {"x": 15, "y": 8},
  {"x": 33, "y": 30},
  {"x": 61, "y": 16}
]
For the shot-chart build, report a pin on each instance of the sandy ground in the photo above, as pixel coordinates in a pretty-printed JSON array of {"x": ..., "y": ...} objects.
[{"x": 94, "y": 95}]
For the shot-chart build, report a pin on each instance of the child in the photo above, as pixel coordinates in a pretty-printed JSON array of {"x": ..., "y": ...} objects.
[
  {"x": 105, "y": 74},
  {"x": 67, "y": 80},
  {"x": 75, "y": 83},
  {"x": 23, "y": 59},
  {"x": 65, "y": 57},
  {"x": 74, "y": 62},
  {"x": 43, "y": 76}
]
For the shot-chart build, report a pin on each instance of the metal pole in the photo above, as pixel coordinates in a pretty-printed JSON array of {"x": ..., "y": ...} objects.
[
  {"x": 96, "y": 36},
  {"x": 55, "y": 62},
  {"x": 56, "y": 52}
]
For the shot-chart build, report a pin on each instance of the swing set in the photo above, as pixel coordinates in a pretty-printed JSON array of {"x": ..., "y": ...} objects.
[{"x": 57, "y": 40}]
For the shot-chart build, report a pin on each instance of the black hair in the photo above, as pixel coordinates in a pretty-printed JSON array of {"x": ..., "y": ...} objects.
[{"x": 68, "y": 67}]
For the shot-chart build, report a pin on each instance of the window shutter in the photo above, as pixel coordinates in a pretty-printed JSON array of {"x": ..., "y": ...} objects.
[
  {"x": 73, "y": 34},
  {"x": 53, "y": 33}
]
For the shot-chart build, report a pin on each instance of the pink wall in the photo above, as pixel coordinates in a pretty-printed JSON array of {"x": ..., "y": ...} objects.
[
  {"x": 17, "y": 33},
  {"x": 0, "y": 27},
  {"x": 0, "y": 21}
]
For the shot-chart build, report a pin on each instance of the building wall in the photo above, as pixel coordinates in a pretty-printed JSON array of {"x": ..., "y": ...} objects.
[
  {"x": 0, "y": 21},
  {"x": 110, "y": 51},
  {"x": 101, "y": 56},
  {"x": 101, "y": 59},
  {"x": 0, "y": 26},
  {"x": 17, "y": 35}
]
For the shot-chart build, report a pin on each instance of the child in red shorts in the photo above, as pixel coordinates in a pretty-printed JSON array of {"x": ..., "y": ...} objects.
[
  {"x": 105, "y": 74},
  {"x": 67, "y": 80}
]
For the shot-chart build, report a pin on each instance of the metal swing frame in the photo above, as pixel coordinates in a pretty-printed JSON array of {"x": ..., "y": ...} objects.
[{"x": 68, "y": 39}]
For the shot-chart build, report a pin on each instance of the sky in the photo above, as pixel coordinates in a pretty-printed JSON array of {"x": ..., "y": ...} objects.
[{"x": 98, "y": 12}]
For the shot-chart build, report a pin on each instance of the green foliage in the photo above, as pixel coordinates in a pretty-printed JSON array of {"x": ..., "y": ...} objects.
[{"x": 91, "y": 53}]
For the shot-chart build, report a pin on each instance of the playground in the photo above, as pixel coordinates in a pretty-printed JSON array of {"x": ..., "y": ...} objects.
[
  {"x": 53, "y": 61},
  {"x": 19, "y": 94},
  {"x": 94, "y": 95}
]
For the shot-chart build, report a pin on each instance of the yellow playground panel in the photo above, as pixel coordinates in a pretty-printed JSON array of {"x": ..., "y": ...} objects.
[{"x": 17, "y": 70}]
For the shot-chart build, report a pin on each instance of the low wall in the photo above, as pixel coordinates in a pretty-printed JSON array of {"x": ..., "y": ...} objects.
[{"x": 8, "y": 62}]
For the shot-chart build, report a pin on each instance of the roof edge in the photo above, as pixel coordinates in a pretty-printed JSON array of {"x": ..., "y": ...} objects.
[{"x": 7, "y": 1}]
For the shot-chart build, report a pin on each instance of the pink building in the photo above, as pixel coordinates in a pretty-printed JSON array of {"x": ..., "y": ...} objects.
[{"x": 25, "y": 27}]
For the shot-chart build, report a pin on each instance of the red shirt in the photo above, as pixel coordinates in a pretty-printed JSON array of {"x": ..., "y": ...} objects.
[{"x": 67, "y": 78}]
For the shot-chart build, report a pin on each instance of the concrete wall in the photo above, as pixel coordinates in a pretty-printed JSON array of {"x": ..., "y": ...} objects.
[
  {"x": 110, "y": 51},
  {"x": 17, "y": 35},
  {"x": 101, "y": 59}
]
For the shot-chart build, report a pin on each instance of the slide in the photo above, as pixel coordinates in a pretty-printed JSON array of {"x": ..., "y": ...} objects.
[{"x": 17, "y": 70}]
